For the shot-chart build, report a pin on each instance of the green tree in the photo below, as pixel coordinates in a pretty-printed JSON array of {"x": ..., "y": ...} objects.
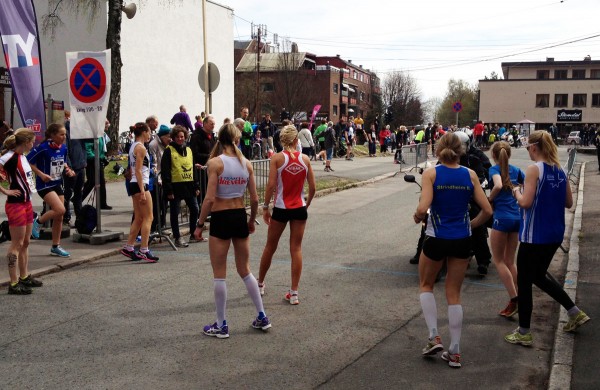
[{"x": 467, "y": 95}]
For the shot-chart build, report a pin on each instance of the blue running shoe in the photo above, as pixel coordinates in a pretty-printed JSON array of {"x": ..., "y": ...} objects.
[
  {"x": 263, "y": 324},
  {"x": 214, "y": 331},
  {"x": 59, "y": 251},
  {"x": 35, "y": 231}
]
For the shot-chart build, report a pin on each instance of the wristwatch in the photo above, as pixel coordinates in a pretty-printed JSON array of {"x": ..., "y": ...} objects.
[{"x": 200, "y": 225}]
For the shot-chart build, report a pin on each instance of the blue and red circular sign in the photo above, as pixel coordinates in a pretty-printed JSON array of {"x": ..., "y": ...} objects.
[
  {"x": 457, "y": 107},
  {"x": 88, "y": 81}
]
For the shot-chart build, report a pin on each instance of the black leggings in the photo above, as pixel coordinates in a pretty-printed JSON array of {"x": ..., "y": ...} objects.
[{"x": 533, "y": 261}]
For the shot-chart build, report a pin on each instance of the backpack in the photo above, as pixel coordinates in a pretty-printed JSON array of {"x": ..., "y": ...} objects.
[{"x": 86, "y": 220}]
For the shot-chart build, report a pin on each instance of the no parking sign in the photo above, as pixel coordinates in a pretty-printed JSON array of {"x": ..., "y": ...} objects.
[{"x": 89, "y": 92}]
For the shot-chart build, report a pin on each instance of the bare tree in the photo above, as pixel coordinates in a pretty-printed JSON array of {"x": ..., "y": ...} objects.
[{"x": 401, "y": 99}]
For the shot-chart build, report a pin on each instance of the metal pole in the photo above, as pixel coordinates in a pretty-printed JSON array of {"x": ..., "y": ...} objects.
[
  {"x": 97, "y": 186},
  {"x": 49, "y": 113},
  {"x": 206, "y": 86},
  {"x": 257, "y": 106},
  {"x": 12, "y": 108},
  {"x": 456, "y": 118}
]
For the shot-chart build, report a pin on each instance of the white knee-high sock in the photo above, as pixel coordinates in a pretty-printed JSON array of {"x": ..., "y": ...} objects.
[
  {"x": 254, "y": 292},
  {"x": 455, "y": 319},
  {"x": 220, "y": 299},
  {"x": 429, "y": 312}
]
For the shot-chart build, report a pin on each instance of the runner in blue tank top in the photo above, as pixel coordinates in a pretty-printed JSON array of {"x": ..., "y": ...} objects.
[
  {"x": 543, "y": 200},
  {"x": 505, "y": 230},
  {"x": 447, "y": 190},
  {"x": 49, "y": 160}
]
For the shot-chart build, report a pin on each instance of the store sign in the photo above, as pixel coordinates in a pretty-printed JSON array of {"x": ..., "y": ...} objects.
[{"x": 569, "y": 116}]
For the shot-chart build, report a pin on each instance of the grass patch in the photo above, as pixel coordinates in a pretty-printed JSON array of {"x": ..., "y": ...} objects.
[{"x": 324, "y": 183}]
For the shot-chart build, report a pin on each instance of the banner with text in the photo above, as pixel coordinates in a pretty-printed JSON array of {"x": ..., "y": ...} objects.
[
  {"x": 88, "y": 74},
  {"x": 316, "y": 109},
  {"x": 20, "y": 43}
]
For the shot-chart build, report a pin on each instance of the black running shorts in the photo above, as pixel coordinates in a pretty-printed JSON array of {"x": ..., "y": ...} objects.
[
  {"x": 228, "y": 224},
  {"x": 438, "y": 249}
]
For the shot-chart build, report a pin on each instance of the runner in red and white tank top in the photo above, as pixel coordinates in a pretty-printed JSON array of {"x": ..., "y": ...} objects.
[{"x": 289, "y": 191}]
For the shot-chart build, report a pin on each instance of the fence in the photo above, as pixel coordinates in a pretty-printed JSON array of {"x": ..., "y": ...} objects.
[
  {"x": 412, "y": 155},
  {"x": 571, "y": 162}
]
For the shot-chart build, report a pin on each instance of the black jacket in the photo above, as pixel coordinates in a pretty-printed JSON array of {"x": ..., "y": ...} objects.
[
  {"x": 201, "y": 144},
  {"x": 267, "y": 129}
]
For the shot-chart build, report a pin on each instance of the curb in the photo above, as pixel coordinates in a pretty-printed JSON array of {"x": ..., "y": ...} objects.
[{"x": 564, "y": 343}]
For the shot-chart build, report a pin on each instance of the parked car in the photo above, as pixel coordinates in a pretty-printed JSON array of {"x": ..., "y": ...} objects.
[{"x": 573, "y": 138}]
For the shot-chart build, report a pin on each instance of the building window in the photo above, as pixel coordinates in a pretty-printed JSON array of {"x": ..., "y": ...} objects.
[
  {"x": 335, "y": 110},
  {"x": 595, "y": 74},
  {"x": 267, "y": 87},
  {"x": 362, "y": 96},
  {"x": 561, "y": 100},
  {"x": 543, "y": 74},
  {"x": 596, "y": 100},
  {"x": 578, "y": 74},
  {"x": 542, "y": 100},
  {"x": 579, "y": 99},
  {"x": 560, "y": 74},
  {"x": 362, "y": 78},
  {"x": 335, "y": 88}
]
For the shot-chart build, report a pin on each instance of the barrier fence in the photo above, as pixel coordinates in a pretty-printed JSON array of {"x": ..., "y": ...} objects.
[
  {"x": 411, "y": 155},
  {"x": 571, "y": 162}
]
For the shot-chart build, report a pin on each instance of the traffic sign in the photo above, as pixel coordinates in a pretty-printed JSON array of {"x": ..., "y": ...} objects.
[
  {"x": 214, "y": 77},
  {"x": 457, "y": 107},
  {"x": 88, "y": 81}
]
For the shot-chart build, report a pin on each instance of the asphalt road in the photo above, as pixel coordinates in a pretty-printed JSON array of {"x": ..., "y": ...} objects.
[{"x": 112, "y": 323}]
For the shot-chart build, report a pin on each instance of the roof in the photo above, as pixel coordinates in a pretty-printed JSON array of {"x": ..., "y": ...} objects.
[
  {"x": 241, "y": 45},
  {"x": 270, "y": 61},
  {"x": 538, "y": 64}
]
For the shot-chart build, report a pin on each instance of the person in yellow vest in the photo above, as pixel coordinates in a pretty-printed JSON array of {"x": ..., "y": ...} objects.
[{"x": 180, "y": 182}]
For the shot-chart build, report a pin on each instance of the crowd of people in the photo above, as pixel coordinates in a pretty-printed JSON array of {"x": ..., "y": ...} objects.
[{"x": 211, "y": 173}]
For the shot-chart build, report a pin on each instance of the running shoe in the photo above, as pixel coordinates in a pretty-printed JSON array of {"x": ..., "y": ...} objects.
[
  {"x": 453, "y": 359},
  {"x": 30, "y": 282},
  {"x": 517, "y": 338},
  {"x": 576, "y": 321},
  {"x": 35, "y": 230},
  {"x": 482, "y": 269},
  {"x": 131, "y": 254},
  {"x": 148, "y": 257},
  {"x": 180, "y": 242},
  {"x": 261, "y": 288},
  {"x": 19, "y": 289},
  {"x": 59, "y": 251},
  {"x": 510, "y": 310},
  {"x": 433, "y": 346},
  {"x": 214, "y": 331},
  {"x": 262, "y": 324},
  {"x": 292, "y": 298}
]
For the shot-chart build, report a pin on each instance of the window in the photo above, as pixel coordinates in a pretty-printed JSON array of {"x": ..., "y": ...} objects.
[
  {"x": 561, "y": 100},
  {"x": 560, "y": 74},
  {"x": 362, "y": 96},
  {"x": 542, "y": 100},
  {"x": 543, "y": 74},
  {"x": 595, "y": 74},
  {"x": 267, "y": 87},
  {"x": 335, "y": 88},
  {"x": 362, "y": 77},
  {"x": 335, "y": 110},
  {"x": 579, "y": 99},
  {"x": 596, "y": 100},
  {"x": 578, "y": 74}
]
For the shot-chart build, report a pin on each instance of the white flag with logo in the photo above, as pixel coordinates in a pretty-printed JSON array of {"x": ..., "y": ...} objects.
[{"x": 88, "y": 74}]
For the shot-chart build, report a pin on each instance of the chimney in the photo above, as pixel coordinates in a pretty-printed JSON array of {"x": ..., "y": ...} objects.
[
  {"x": 337, "y": 55},
  {"x": 549, "y": 59},
  {"x": 360, "y": 66},
  {"x": 294, "y": 47},
  {"x": 349, "y": 61},
  {"x": 587, "y": 58}
]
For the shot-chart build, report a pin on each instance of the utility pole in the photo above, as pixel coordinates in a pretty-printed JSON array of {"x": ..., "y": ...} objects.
[{"x": 261, "y": 33}]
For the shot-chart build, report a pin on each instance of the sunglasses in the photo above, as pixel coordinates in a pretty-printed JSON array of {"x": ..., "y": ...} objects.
[{"x": 531, "y": 144}]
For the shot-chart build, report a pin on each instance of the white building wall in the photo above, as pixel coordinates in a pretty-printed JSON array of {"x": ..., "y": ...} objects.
[
  {"x": 162, "y": 52},
  {"x": 77, "y": 34}
]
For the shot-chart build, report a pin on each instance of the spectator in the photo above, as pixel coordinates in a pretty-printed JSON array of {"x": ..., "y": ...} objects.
[
  {"x": 384, "y": 136},
  {"x": 288, "y": 172},
  {"x": 349, "y": 137},
  {"x": 76, "y": 159},
  {"x": 545, "y": 196},
  {"x": 182, "y": 119},
  {"x": 597, "y": 144},
  {"x": 372, "y": 138},
  {"x": 320, "y": 137},
  {"x": 247, "y": 134},
  {"x": 448, "y": 238},
  {"x": 329, "y": 146},
  {"x": 157, "y": 149},
  {"x": 267, "y": 128},
  {"x": 48, "y": 161},
  {"x": 19, "y": 211},
  {"x": 180, "y": 181},
  {"x": 90, "y": 169},
  {"x": 478, "y": 131},
  {"x": 139, "y": 164},
  {"x": 229, "y": 175},
  {"x": 305, "y": 138}
]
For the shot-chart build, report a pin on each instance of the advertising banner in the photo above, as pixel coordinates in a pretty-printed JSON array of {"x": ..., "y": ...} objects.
[
  {"x": 314, "y": 114},
  {"x": 569, "y": 116},
  {"x": 20, "y": 43},
  {"x": 88, "y": 74}
]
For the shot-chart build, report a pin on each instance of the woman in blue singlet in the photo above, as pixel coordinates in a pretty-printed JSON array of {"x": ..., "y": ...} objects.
[
  {"x": 447, "y": 190},
  {"x": 504, "y": 237},
  {"x": 229, "y": 175},
  {"x": 543, "y": 200}
]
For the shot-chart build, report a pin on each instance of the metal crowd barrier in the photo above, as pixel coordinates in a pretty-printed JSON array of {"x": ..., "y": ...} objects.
[
  {"x": 261, "y": 176},
  {"x": 411, "y": 155},
  {"x": 571, "y": 162}
]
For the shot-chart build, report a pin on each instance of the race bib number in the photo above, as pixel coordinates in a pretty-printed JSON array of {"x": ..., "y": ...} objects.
[
  {"x": 56, "y": 169},
  {"x": 31, "y": 181}
]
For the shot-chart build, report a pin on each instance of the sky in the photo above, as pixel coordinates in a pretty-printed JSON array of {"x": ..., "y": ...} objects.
[{"x": 433, "y": 40}]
